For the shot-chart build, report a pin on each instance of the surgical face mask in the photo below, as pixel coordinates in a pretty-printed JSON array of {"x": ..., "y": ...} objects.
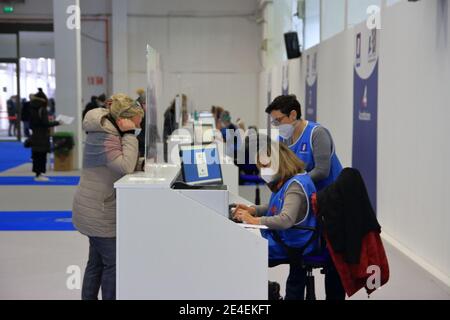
[
  {"x": 137, "y": 131},
  {"x": 286, "y": 131},
  {"x": 268, "y": 175}
]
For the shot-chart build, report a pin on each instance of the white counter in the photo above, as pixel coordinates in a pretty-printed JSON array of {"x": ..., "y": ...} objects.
[{"x": 180, "y": 244}]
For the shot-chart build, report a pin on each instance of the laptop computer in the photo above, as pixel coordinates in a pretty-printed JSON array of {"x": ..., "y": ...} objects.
[{"x": 200, "y": 164}]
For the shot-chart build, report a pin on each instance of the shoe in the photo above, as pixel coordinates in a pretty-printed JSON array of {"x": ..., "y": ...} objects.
[{"x": 41, "y": 178}]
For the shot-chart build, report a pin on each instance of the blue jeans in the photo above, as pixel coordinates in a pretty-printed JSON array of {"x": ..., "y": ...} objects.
[{"x": 100, "y": 270}]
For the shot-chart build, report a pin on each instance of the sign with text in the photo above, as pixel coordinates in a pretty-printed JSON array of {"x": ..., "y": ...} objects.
[
  {"x": 365, "y": 107},
  {"x": 311, "y": 83}
]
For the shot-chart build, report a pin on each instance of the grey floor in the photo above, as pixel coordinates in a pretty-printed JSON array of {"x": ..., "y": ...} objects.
[{"x": 40, "y": 265}]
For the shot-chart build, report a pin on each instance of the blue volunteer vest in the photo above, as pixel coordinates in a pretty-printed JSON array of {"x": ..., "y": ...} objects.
[
  {"x": 304, "y": 150},
  {"x": 291, "y": 237}
]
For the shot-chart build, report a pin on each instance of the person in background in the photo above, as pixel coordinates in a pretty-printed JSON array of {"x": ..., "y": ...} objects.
[
  {"x": 91, "y": 105},
  {"x": 101, "y": 101},
  {"x": 40, "y": 137},
  {"x": 241, "y": 124},
  {"x": 170, "y": 126},
  {"x": 289, "y": 207},
  {"x": 51, "y": 107},
  {"x": 12, "y": 116},
  {"x": 141, "y": 100},
  {"x": 110, "y": 152},
  {"x": 26, "y": 115},
  {"x": 226, "y": 124},
  {"x": 170, "y": 122},
  {"x": 217, "y": 113},
  {"x": 231, "y": 135},
  {"x": 313, "y": 144}
]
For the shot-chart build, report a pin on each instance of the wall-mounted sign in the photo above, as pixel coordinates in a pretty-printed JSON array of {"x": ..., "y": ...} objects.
[{"x": 95, "y": 81}]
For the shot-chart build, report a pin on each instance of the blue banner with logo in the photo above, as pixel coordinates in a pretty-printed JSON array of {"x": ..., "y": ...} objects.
[
  {"x": 311, "y": 86},
  {"x": 365, "y": 104}
]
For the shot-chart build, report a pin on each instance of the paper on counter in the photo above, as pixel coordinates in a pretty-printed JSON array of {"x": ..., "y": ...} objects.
[
  {"x": 251, "y": 226},
  {"x": 65, "y": 119}
]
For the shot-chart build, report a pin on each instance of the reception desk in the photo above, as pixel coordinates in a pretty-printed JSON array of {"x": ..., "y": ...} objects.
[{"x": 180, "y": 244}]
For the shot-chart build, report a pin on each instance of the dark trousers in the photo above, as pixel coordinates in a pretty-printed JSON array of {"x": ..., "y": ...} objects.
[
  {"x": 26, "y": 128},
  {"x": 100, "y": 270},
  {"x": 39, "y": 162},
  {"x": 296, "y": 284},
  {"x": 12, "y": 129},
  {"x": 333, "y": 286}
]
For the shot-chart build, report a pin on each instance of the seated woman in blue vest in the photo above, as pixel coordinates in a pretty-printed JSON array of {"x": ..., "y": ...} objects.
[{"x": 289, "y": 206}]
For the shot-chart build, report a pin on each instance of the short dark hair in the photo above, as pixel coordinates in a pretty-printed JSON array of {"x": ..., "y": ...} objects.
[
  {"x": 102, "y": 97},
  {"x": 286, "y": 104}
]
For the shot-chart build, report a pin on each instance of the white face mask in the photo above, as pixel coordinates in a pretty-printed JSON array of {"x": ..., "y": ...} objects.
[
  {"x": 287, "y": 130},
  {"x": 137, "y": 131},
  {"x": 268, "y": 174}
]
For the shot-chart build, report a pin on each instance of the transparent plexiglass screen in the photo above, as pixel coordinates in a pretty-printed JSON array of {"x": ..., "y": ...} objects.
[{"x": 152, "y": 137}]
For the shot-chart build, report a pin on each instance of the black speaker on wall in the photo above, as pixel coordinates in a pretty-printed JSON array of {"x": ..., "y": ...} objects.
[{"x": 292, "y": 45}]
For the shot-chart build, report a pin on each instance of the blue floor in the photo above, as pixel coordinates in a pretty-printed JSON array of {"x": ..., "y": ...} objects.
[
  {"x": 36, "y": 221},
  {"x": 29, "y": 181},
  {"x": 13, "y": 154}
]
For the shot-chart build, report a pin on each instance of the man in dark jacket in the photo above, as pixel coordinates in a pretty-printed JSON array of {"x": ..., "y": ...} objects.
[
  {"x": 40, "y": 138},
  {"x": 90, "y": 106}
]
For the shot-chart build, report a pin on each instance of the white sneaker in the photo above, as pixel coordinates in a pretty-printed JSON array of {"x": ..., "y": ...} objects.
[{"x": 41, "y": 178}]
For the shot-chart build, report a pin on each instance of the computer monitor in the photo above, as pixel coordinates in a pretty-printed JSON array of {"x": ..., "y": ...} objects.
[
  {"x": 203, "y": 133},
  {"x": 200, "y": 164}
]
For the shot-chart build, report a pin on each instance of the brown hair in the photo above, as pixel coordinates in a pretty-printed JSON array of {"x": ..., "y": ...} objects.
[{"x": 281, "y": 159}]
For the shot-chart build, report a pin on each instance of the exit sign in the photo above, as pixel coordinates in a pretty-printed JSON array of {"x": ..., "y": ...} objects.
[{"x": 8, "y": 9}]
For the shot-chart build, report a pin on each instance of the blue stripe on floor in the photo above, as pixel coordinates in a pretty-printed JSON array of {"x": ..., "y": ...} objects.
[
  {"x": 13, "y": 154},
  {"x": 29, "y": 181},
  {"x": 36, "y": 221}
]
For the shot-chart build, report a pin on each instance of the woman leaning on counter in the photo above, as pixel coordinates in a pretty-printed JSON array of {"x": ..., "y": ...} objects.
[{"x": 110, "y": 152}]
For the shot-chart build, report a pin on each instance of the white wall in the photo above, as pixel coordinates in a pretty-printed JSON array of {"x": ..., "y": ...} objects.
[
  {"x": 212, "y": 45},
  {"x": 414, "y": 153},
  {"x": 335, "y": 91}
]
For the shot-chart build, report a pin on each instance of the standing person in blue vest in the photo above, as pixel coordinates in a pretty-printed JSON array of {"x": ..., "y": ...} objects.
[
  {"x": 313, "y": 144},
  {"x": 310, "y": 141},
  {"x": 289, "y": 208}
]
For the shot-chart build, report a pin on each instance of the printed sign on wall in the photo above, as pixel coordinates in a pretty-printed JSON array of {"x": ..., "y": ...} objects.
[
  {"x": 311, "y": 86},
  {"x": 365, "y": 107}
]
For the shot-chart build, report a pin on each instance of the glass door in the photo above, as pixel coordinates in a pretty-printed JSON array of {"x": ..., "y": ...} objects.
[
  {"x": 9, "y": 91},
  {"x": 9, "y": 102}
]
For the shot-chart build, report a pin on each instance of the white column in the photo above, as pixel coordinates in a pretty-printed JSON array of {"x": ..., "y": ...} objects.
[
  {"x": 321, "y": 20},
  {"x": 66, "y": 19},
  {"x": 346, "y": 15},
  {"x": 119, "y": 46}
]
